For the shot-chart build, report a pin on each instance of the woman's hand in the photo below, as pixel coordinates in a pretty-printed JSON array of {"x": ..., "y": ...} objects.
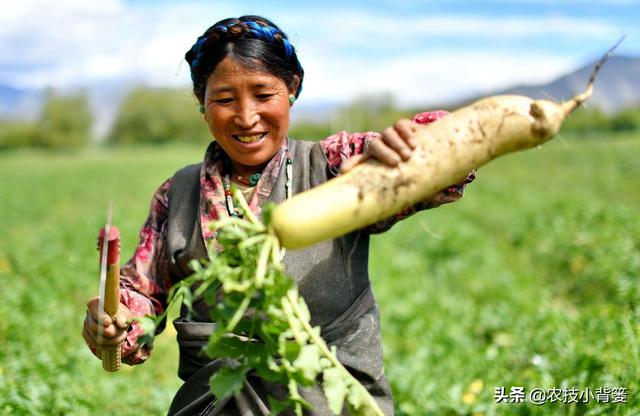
[
  {"x": 114, "y": 331},
  {"x": 395, "y": 145}
]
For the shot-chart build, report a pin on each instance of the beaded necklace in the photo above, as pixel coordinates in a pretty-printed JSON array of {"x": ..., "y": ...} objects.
[
  {"x": 226, "y": 183},
  {"x": 252, "y": 180}
]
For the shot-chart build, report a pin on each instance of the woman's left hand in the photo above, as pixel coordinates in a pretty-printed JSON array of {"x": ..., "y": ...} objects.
[{"x": 395, "y": 144}]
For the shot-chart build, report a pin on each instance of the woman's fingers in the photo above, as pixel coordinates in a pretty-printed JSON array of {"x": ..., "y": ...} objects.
[
  {"x": 112, "y": 341},
  {"x": 108, "y": 331},
  {"x": 124, "y": 317},
  {"x": 120, "y": 322},
  {"x": 99, "y": 342},
  {"x": 352, "y": 162},
  {"x": 406, "y": 129},
  {"x": 399, "y": 138},
  {"x": 87, "y": 334},
  {"x": 93, "y": 309},
  {"x": 394, "y": 145},
  {"x": 100, "y": 330},
  {"x": 380, "y": 150}
]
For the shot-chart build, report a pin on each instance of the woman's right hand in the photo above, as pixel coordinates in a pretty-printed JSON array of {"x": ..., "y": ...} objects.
[
  {"x": 396, "y": 144},
  {"x": 114, "y": 330}
]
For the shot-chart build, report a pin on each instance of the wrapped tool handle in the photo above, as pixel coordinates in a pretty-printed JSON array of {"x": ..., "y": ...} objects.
[{"x": 111, "y": 355}]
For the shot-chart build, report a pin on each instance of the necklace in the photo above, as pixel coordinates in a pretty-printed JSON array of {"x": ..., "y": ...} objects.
[{"x": 253, "y": 181}]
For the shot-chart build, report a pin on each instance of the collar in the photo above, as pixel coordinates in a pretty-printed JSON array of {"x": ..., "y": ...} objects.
[{"x": 212, "y": 200}]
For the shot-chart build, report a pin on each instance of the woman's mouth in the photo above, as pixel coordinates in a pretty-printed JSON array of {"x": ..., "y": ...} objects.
[{"x": 249, "y": 139}]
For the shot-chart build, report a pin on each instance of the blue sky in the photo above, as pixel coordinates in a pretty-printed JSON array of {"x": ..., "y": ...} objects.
[{"x": 420, "y": 51}]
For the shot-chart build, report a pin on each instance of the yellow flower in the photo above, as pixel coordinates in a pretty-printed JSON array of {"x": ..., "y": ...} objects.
[
  {"x": 577, "y": 264},
  {"x": 472, "y": 391},
  {"x": 5, "y": 265},
  {"x": 476, "y": 386},
  {"x": 468, "y": 398}
]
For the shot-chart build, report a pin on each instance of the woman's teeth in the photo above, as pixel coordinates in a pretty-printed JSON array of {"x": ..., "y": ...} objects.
[{"x": 249, "y": 139}]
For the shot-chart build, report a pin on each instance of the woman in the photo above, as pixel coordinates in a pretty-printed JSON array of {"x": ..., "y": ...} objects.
[{"x": 246, "y": 76}]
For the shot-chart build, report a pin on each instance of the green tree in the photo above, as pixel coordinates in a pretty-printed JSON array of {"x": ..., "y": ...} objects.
[
  {"x": 626, "y": 120},
  {"x": 372, "y": 112},
  {"x": 307, "y": 130},
  {"x": 159, "y": 115},
  {"x": 65, "y": 121},
  {"x": 15, "y": 134},
  {"x": 586, "y": 121}
]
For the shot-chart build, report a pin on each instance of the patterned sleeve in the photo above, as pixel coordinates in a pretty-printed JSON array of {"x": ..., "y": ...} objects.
[
  {"x": 343, "y": 145},
  {"x": 145, "y": 279}
]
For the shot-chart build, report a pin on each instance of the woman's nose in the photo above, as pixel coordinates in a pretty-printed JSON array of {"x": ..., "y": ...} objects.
[{"x": 246, "y": 116}]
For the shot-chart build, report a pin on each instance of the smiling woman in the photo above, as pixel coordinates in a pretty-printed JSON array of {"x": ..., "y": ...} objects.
[
  {"x": 246, "y": 76},
  {"x": 247, "y": 113}
]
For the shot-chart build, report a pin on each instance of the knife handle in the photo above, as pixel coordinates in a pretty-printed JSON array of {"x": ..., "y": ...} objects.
[
  {"x": 111, "y": 355},
  {"x": 111, "y": 358}
]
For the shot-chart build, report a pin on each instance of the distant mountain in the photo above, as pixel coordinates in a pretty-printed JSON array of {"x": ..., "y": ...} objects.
[
  {"x": 19, "y": 104},
  {"x": 617, "y": 86}
]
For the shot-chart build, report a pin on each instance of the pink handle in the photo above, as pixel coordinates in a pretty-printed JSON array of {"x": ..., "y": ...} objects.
[{"x": 113, "y": 245}]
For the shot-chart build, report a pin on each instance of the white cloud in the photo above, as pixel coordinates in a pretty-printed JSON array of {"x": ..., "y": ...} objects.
[
  {"x": 349, "y": 30},
  {"x": 62, "y": 42},
  {"x": 71, "y": 42},
  {"x": 77, "y": 42},
  {"x": 432, "y": 78},
  {"x": 603, "y": 3}
]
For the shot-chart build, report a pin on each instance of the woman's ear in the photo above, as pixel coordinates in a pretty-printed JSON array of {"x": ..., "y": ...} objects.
[
  {"x": 294, "y": 86},
  {"x": 203, "y": 112}
]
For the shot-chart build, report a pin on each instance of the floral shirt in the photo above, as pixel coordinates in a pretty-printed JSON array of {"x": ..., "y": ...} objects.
[{"x": 146, "y": 278}]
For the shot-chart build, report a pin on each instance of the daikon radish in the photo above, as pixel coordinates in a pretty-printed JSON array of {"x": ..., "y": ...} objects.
[{"x": 447, "y": 150}]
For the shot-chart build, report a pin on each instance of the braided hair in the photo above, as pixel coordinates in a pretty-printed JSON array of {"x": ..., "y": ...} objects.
[{"x": 253, "y": 41}]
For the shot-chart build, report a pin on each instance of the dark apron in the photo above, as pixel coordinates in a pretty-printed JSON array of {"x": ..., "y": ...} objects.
[{"x": 332, "y": 277}]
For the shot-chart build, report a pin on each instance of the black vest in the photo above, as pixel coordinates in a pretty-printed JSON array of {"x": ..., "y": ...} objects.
[{"x": 332, "y": 276}]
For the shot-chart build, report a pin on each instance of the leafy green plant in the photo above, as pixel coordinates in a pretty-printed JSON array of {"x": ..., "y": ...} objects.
[
  {"x": 65, "y": 121},
  {"x": 472, "y": 290},
  {"x": 262, "y": 323},
  {"x": 158, "y": 116},
  {"x": 15, "y": 134}
]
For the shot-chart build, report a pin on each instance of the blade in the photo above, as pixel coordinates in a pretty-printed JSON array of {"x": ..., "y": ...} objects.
[{"x": 103, "y": 266}]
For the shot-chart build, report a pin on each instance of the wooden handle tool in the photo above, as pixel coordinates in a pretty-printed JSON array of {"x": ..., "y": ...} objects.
[{"x": 110, "y": 287}]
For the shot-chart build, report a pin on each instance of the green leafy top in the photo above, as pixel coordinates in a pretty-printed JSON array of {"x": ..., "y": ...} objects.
[{"x": 262, "y": 323}]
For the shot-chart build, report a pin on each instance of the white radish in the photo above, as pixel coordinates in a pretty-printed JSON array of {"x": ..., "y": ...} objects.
[{"x": 447, "y": 150}]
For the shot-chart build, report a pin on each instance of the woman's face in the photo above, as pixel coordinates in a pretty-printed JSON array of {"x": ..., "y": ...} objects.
[{"x": 247, "y": 113}]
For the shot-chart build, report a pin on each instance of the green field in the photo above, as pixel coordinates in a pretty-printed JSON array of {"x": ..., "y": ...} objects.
[{"x": 530, "y": 281}]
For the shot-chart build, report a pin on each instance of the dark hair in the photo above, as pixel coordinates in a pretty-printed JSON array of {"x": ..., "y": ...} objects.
[{"x": 253, "y": 41}]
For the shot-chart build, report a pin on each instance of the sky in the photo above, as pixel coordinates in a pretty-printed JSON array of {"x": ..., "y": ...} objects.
[{"x": 419, "y": 51}]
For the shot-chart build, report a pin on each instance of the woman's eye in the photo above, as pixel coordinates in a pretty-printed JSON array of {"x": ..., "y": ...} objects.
[
  {"x": 264, "y": 96},
  {"x": 224, "y": 100}
]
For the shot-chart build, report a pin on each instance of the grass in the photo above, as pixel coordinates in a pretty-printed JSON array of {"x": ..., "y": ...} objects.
[{"x": 531, "y": 280}]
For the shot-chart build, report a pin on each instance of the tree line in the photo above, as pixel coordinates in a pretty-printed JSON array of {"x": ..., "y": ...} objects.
[{"x": 164, "y": 115}]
